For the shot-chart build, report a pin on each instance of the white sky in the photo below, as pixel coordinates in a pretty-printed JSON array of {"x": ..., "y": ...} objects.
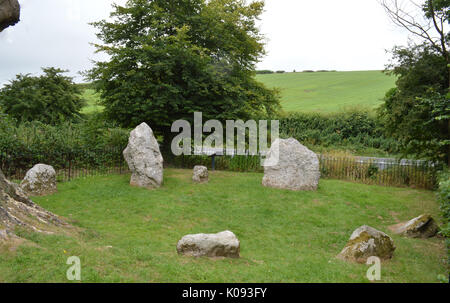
[{"x": 301, "y": 34}]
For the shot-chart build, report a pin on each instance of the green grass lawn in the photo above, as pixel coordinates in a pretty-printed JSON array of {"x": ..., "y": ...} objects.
[
  {"x": 92, "y": 99},
  {"x": 327, "y": 92},
  {"x": 130, "y": 234}
]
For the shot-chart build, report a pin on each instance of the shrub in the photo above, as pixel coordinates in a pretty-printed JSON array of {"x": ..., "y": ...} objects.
[
  {"x": 91, "y": 142},
  {"x": 444, "y": 198},
  {"x": 355, "y": 129},
  {"x": 51, "y": 98}
]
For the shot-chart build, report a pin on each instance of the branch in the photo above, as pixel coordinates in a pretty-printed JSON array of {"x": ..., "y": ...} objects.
[
  {"x": 406, "y": 20},
  {"x": 439, "y": 30}
]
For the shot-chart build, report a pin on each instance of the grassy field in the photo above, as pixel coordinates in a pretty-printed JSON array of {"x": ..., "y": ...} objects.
[
  {"x": 130, "y": 234},
  {"x": 92, "y": 100},
  {"x": 327, "y": 92},
  {"x": 323, "y": 92}
]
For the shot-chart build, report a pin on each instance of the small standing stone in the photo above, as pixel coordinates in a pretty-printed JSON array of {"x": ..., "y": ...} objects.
[
  {"x": 223, "y": 244},
  {"x": 367, "y": 242},
  {"x": 200, "y": 174},
  {"x": 144, "y": 158},
  {"x": 40, "y": 180},
  {"x": 423, "y": 226}
]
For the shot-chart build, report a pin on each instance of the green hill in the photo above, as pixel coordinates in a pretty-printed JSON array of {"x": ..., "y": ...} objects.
[
  {"x": 324, "y": 92},
  {"x": 329, "y": 91}
]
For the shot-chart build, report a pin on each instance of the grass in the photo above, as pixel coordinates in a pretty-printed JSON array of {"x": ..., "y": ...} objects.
[
  {"x": 92, "y": 99},
  {"x": 130, "y": 234},
  {"x": 327, "y": 92}
]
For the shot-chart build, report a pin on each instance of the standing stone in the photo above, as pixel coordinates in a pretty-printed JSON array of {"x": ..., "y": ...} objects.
[
  {"x": 293, "y": 166},
  {"x": 223, "y": 244},
  {"x": 40, "y": 180},
  {"x": 200, "y": 174},
  {"x": 144, "y": 158},
  {"x": 367, "y": 242},
  {"x": 421, "y": 227}
]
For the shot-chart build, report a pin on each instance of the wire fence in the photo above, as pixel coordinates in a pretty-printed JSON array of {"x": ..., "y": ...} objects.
[
  {"x": 82, "y": 163},
  {"x": 68, "y": 165},
  {"x": 380, "y": 171}
]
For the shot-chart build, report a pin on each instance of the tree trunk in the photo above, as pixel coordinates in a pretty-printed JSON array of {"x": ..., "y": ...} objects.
[
  {"x": 17, "y": 210},
  {"x": 9, "y": 13}
]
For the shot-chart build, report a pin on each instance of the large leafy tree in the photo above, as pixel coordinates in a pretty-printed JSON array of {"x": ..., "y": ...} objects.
[
  {"x": 417, "y": 111},
  {"x": 51, "y": 98},
  {"x": 169, "y": 59}
]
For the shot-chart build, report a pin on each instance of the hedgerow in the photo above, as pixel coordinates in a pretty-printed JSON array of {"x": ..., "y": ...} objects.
[{"x": 354, "y": 129}]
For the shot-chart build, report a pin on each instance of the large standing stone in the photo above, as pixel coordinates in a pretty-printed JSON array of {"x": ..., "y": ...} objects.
[
  {"x": 295, "y": 167},
  {"x": 40, "y": 180},
  {"x": 200, "y": 174},
  {"x": 144, "y": 158},
  {"x": 421, "y": 227},
  {"x": 9, "y": 13},
  {"x": 223, "y": 244},
  {"x": 367, "y": 242}
]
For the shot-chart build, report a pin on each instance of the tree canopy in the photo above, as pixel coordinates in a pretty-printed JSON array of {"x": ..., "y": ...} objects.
[
  {"x": 417, "y": 111},
  {"x": 169, "y": 59},
  {"x": 51, "y": 98}
]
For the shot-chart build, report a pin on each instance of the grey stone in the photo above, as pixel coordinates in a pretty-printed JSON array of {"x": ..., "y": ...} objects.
[
  {"x": 200, "y": 174},
  {"x": 144, "y": 158},
  {"x": 9, "y": 13},
  {"x": 423, "y": 226},
  {"x": 367, "y": 242},
  {"x": 295, "y": 167},
  {"x": 16, "y": 209},
  {"x": 40, "y": 180},
  {"x": 223, "y": 244}
]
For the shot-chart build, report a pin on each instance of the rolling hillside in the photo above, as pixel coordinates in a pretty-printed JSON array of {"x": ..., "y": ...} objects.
[
  {"x": 329, "y": 91},
  {"x": 324, "y": 92}
]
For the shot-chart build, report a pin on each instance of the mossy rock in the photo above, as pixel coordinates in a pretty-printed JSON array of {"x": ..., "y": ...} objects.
[
  {"x": 423, "y": 226},
  {"x": 366, "y": 242}
]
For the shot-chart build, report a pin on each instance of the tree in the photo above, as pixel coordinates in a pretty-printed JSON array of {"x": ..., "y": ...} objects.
[
  {"x": 427, "y": 24},
  {"x": 9, "y": 13},
  {"x": 172, "y": 58},
  {"x": 51, "y": 98},
  {"x": 417, "y": 111}
]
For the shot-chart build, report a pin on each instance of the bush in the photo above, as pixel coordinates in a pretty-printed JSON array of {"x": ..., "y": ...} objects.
[
  {"x": 444, "y": 199},
  {"x": 51, "y": 98},
  {"x": 354, "y": 129},
  {"x": 91, "y": 142}
]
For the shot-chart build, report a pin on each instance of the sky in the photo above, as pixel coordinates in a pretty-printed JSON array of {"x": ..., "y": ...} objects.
[{"x": 300, "y": 34}]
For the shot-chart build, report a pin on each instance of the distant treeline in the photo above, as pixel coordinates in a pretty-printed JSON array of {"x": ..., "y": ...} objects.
[{"x": 267, "y": 71}]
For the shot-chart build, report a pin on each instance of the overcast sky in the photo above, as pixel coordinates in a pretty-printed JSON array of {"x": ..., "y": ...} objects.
[{"x": 301, "y": 34}]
